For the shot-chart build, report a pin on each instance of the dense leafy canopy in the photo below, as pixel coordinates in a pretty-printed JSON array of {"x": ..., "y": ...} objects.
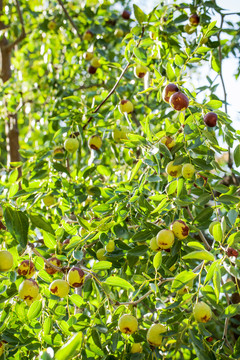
[{"x": 99, "y": 207}]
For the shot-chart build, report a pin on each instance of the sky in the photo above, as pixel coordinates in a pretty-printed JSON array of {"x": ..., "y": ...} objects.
[{"x": 229, "y": 65}]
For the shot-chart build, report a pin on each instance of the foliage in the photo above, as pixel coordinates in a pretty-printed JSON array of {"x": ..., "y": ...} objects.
[{"x": 121, "y": 191}]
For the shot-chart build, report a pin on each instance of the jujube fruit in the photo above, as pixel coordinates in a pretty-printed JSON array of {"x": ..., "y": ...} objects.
[
  {"x": 119, "y": 33},
  {"x": 101, "y": 254},
  {"x": 55, "y": 261},
  {"x": 6, "y": 260},
  {"x": 71, "y": 144},
  {"x": 179, "y": 101},
  {"x": 165, "y": 239},
  {"x": 168, "y": 91},
  {"x": 188, "y": 171},
  {"x": 202, "y": 312},
  {"x": 75, "y": 277},
  {"x": 154, "y": 334},
  {"x": 140, "y": 71},
  {"x": 126, "y": 14},
  {"x": 49, "y": 200},
  {"x": 180, "y": 229},
  {"x": 168, "y": 141},
  {"x": 59, "y": 288},
  {"x": 88, "y": 35},
  {"x": 95, "y": 142},
  {"x": 194, "y": 20},
  {"x": 26, "y": 268},
  {"x": 28, "y": 290},
  {"x": 125, "y": 106},
  {"x": 173, "y": 170},
  {"x": 110, "y": 246},
  {"x": 128, "y": 324},
  {"x": 210, "y": 119},
  {"x": 136, "y": 348}
]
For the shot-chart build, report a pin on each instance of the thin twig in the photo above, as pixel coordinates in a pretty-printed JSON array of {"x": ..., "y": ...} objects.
[
  {"x": 23, "y": 33},
  {"x": 69, "y": 18},
  {"x": 115, "y": 86},
  {"x": 204, "y": 240},
  {"x": 225, "y": 330},
  {"x": 145, "y": 295},
  {"x": 45, "y": 260}
]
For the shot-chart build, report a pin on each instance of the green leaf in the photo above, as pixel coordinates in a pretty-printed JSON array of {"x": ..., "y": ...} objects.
[
  {"x": 76, "y": 300},
  {"x": 170, "y": 72},
  {"x": 68, "y": 350},
  {"x": 160, "y": 206},
  {"x": 34, "y": 310},
  {"x": 214, "y": 104},
  {"x": 228, "y": 199},
  {"x": 204, "y": 215},
  {"x": 157, "y": 260},
  {"x": 232, "y": 310},
  {"x": 182, "y": 279},
  {"x": 139, "y": 14},
  {"x": 135, "y": 169},
  {"x": 49, "y": 240},
  {"x": 140, "y": 54},
  {"x": 178, "y": 60},
  {"x": 196, "y": 245},
  {"x": 119, "y": 282},
  {"x": 215, "y": 63},
  {"x": 199, "y": 255},
  {"x": 102, "y": 265},
  {"x": 39, "y": 222},
  {"x": 217, "y": 232},
  {"x": 210, "y": 272},
  {"x": 217, "y": 282},
  {"x": 236, "y": 155},
  {"x": 17, "y": 223}
]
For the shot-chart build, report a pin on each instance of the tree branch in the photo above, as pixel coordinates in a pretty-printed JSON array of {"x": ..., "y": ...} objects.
[
  {"x": 23, "y": 33},
  {"x": 115, "y": 86},
  {"x": 69, "y": 18},
  {"x": 63, "y": 270}
]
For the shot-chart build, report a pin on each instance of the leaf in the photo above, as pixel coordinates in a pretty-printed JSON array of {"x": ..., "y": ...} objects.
[
  {"x": 117, "y": 281},
  {"x": 217, "y": 282},
  {"x": 178, "y": 60},
  {"x": 34, "y": 310},
  {"x": 216, "y": 66},
  {"x": 182, "y": 279},
  {"x": 236, "y": 155},
  {"x": 204, "y": 215},
  {"x": 135, "y": 169},
  {"x": 49, "y": 240},
  {"x": 157, "y": 260},
  {"x": 140, "y": 54},
  {"x": 232, "y": 310},
  {"x": 170, "y": 72},
  {"x": 214, "y": 104},
  {"x": 196, "y": 245},
  {"x": 210, "y": 271},
  {"x": 17, "y": 223},
  {"x": 76, "y": 300},
  {"x": 139, "y": 14},
  {"x": 102, "y": 265},
  {"x": 160, "y": 206},
  {"x": 39, "y": 222},
  {"x": 68, "y": 350},
  {"x": 199, "y": 255},
  {"x": 217, "y": 232}
]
